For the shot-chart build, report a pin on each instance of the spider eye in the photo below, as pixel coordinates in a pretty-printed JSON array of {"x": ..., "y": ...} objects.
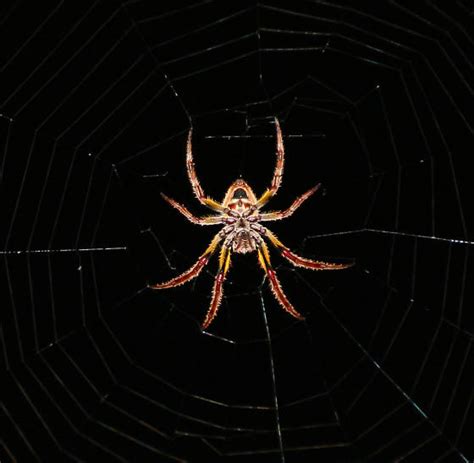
[{"x": 240, "y": 194}]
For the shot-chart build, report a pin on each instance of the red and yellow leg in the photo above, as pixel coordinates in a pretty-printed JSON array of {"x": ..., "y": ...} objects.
[
  {"x": 264, "y": 260},
  {"x": 278, "y": 172},
  {"x": 194, "y": 271},
  {"x": 302, "y": 261},
  {"x": 278, "y": 215},
  {"x": 209, "y": 220},
  {"x": 218, "y": 290},
  {"x": 197, "y": 189}
]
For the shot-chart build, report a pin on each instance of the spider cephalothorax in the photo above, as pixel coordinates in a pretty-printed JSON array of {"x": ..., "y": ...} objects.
[{"x": 242, "y": 232}]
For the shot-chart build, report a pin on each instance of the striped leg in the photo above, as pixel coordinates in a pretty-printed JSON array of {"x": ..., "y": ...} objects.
[
  {"x": 302, "y": 261},
  {"x": 264, "y": 260},
  {"x": 278, "y": 172},
  {"x": 218, "y": 290},
  {"x": 195, "y": 270},
  {"x": 197, "y": 189},
  {"x": 208, "y": 220},
  {"x": 278, "y": 215}
]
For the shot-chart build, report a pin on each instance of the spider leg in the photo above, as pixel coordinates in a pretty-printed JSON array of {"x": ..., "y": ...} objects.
[
  {"x": 218, "y": 290},
  {"x": 209, "y": 220},
  {"x": 197, "y": 189},
  {"x": 194, "y": 270},
  {"x": 278, "y": 215},
  {"x": 302, "y": 261},
  {"x": 277, "y": 290},
  {"x": 278, "y": 172}
]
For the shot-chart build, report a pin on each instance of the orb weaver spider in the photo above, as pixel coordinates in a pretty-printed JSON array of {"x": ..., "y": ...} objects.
[{"x": 242, "y": 233}]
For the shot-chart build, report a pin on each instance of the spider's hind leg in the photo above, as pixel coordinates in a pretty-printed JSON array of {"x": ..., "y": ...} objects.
[
  {"x": 194, "y": 270},
  {"x": 277, "y": 290},
  {"x": 302, "y": 261},
  {"x": 218, "y": 289}
]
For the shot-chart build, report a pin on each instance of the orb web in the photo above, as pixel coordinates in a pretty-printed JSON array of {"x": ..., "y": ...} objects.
[{"x": 375, "y": 102}]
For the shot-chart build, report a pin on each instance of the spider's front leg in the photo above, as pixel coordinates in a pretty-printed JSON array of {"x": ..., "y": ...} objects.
[
  {"x": 193, "y": 271},
  {"x": 302, "y": 261},
  {"x": 197, "y": 189},
  {"x": 277, "y": 290},
  {"x": 218, "y": 290},
  {"x": 278, "y": 172}
]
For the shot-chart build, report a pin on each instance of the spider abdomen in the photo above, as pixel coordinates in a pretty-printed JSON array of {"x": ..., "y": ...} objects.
[{"x": 244, "y": 241}]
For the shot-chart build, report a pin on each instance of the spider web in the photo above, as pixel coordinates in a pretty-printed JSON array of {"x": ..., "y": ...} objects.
[{"x": 375, "y": 102}]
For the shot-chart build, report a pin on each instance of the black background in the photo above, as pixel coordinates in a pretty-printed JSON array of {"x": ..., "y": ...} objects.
[{"x": 375, "y": 102}]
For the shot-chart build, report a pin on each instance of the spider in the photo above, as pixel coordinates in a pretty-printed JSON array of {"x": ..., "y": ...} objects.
[{"x": 240, "y": 213}]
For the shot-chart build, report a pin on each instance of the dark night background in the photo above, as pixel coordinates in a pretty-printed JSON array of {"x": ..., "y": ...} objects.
[{"x": 375, "y": 102}]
